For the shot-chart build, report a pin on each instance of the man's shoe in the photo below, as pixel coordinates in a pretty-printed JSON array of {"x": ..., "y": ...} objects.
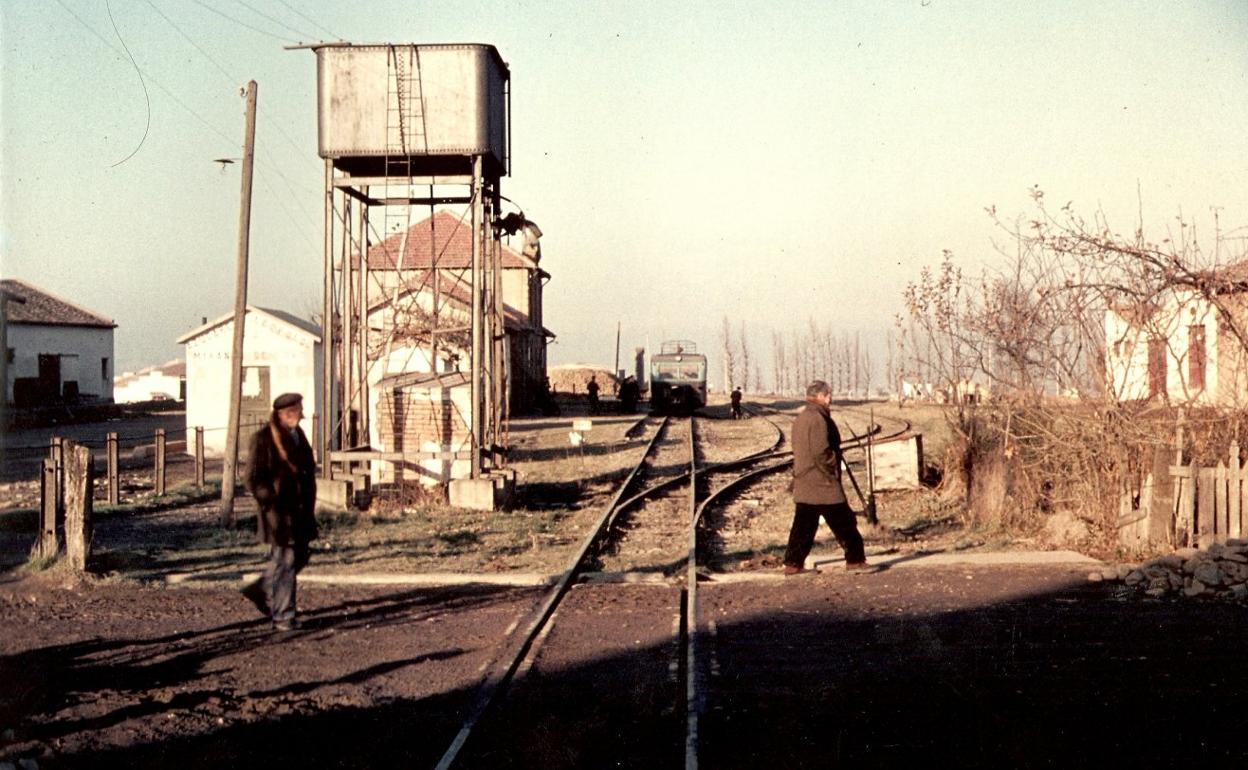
[
  {"x": 861, "y": 567},
  {"x": 287, "y": 625},
  {"x": 789, "y": 570},
  {"x": 254, "y": 592}
]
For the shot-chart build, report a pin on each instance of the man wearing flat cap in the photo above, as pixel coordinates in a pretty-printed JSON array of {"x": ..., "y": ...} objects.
[{"x": 282, "y": 477}]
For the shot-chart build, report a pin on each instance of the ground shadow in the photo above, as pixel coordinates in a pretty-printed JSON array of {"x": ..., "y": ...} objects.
[{"x": 888, "y": 670}]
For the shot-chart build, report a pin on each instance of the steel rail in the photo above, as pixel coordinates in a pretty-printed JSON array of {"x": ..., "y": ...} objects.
[
  {"x": 689, "y": 620},
  {"x": 499, "y": 677}
]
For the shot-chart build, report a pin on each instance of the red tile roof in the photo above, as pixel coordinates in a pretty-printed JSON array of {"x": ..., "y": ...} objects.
[
  {"x": 41, "y": 307},
  {"x": 453, "y": 237}
]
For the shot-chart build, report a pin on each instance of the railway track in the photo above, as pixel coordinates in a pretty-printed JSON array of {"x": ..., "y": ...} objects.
[
  {"x": 647, "y": 538},
  {"x": 651, "y": 537}
]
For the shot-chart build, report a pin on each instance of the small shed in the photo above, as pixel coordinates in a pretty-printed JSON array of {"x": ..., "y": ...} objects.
[
  {"x": 281, "y": 353},
  {"x": 425, "y": 417},
  {"x": 55, "y": 350}
]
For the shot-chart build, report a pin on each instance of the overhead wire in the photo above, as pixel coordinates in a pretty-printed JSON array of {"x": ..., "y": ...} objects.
[
  {"x": 242, "y": 23},
  {"x": 153, "y": 81},
  {"x": 308, "y": 19},
  {"x": 147, "y": 98},
  {"x": 233, "y": 78},
  {"x": 276, "y": 21},
  {"x": 232, "y": 140}
]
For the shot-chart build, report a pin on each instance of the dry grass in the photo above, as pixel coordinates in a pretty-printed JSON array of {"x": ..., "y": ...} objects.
[{"x": 562, "y": 492}]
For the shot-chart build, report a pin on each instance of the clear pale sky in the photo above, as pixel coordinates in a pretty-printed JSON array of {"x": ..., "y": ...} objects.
[{"x": 770, "y": 161}]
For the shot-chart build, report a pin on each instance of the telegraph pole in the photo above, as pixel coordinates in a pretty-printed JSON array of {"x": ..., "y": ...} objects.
[{"x": 229, "y": 471}]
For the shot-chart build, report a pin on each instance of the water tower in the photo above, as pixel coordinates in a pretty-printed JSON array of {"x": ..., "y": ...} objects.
[{"x": 403, "y": 128}]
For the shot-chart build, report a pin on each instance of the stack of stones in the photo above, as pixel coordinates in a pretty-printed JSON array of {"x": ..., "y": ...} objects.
[{"x": 1221, "y": 570}]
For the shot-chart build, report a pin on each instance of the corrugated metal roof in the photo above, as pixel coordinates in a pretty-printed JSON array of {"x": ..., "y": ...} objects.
[{"x": 38, "y": 306}]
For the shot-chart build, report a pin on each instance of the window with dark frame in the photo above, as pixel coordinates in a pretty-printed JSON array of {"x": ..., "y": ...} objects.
[
  {"x": 1196, "y": 356},
  {"x": 1156, "y": 366},
  {"x": 104, "y": 368}
]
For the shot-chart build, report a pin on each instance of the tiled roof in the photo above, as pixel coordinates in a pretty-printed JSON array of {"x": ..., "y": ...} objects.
[
  {"x": 1228, "y": 275},
  {"x": 454, "y": 246},
  {"x": 40, "y": 307},
  {"x": 458, "y": 294}
]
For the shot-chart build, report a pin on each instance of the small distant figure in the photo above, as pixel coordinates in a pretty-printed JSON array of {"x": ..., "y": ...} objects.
[
  {"x": 592, "y": 389},
  {"x": 629, "y": 393},
  {"x": 282, "y": 477},
  {"x": 817, "y": 490},
  {"x": 736, "y": 403},
  {"x": 546, "y": 400}
]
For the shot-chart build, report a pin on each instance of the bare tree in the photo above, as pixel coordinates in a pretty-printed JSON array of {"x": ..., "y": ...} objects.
[
  {"x": 1060, "y": 333},
  {"x": 730, "y": 359},
  {"x": 745, "y": 358}
]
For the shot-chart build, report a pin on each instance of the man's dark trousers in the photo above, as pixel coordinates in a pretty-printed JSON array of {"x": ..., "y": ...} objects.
[
  {"x": 285, "y": 562},
  {"x": 840, "y": 518}
]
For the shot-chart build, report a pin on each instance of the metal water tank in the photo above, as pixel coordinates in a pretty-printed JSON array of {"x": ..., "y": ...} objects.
[{"x": 412, "y": 101}]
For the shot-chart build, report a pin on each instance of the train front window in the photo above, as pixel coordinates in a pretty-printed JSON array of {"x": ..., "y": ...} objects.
[
  {"x": 664, "y": 371},
  {"x": 675, "y": 370}
]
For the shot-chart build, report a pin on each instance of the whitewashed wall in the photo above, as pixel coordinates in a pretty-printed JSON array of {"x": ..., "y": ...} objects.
[
  {"x": 292, "y": 355},
  {"x": 1126, "y": 351},
  {"x": 81, "y": 349}
]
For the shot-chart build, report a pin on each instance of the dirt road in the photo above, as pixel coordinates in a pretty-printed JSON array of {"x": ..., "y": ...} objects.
[{"x": 954, "y": 666}]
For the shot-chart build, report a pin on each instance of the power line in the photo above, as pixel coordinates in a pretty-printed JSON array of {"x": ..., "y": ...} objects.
[
  {"x": 188, "y": 39},
  {"x": 227, "y": 17},
  {"x": 147, "y": 98},
  {"x": 170, "y": 94},
  {"x": 229, "y": 75},
  {"x": 308, "y": 19},
  {"x": 278, "y": 22}
]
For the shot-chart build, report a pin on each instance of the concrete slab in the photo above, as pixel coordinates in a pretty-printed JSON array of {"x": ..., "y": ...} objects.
[
  {"x": 824, "y": 563},
  {"x": 473, "y": 494},
  {"x": 969, "y": 558}
]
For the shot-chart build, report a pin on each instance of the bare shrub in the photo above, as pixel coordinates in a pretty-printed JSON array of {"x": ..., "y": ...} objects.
[{"x": 1029, "y": 359}]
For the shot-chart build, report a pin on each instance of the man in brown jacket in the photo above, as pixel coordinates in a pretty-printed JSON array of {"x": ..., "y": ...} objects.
[
  {"x": 817, "y": 489},
  {"x": 281, "y": 476}
]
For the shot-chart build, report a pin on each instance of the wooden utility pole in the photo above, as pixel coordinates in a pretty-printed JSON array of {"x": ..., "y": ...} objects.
[{"x": 230, "y": 461}]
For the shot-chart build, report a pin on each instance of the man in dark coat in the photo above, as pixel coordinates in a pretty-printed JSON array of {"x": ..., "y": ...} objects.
[
  {"x": 817, "y": 490},
  {"x": 592, "y": 389},
  {"x": 736, "y": 403},
  {"x": 282, "y": 478}
]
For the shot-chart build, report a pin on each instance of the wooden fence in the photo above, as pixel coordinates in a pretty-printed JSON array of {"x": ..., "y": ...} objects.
[{"x": 1186, "y": 505}]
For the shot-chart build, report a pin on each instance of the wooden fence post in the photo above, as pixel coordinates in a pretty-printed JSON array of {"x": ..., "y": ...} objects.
[
  {"x": 1205, "y": 502},
  {"x": 114, "y": 476},
  {"x": 160, "y": 461},
  {"x": 78, "y": 505},
  {"x": 56, "y": 451},
  {"x": 46, "y": 544},
  {"x": 1160, "y": 528},
  {"x": 199, "y": 457},
  {"x": 1185, "y": 518},
  {"x": 1235, "y": 481},
  {"x": 1221, "y": 508}
]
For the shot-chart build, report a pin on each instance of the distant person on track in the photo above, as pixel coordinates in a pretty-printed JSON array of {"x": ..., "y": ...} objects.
[
  {"x": 592, "y": 389},
  {"x": 629, "y": 393},
  {"x": 736, "y": 403},
  {"x": 282, "y": 478},
  {"x": 817, "y": 490}
]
